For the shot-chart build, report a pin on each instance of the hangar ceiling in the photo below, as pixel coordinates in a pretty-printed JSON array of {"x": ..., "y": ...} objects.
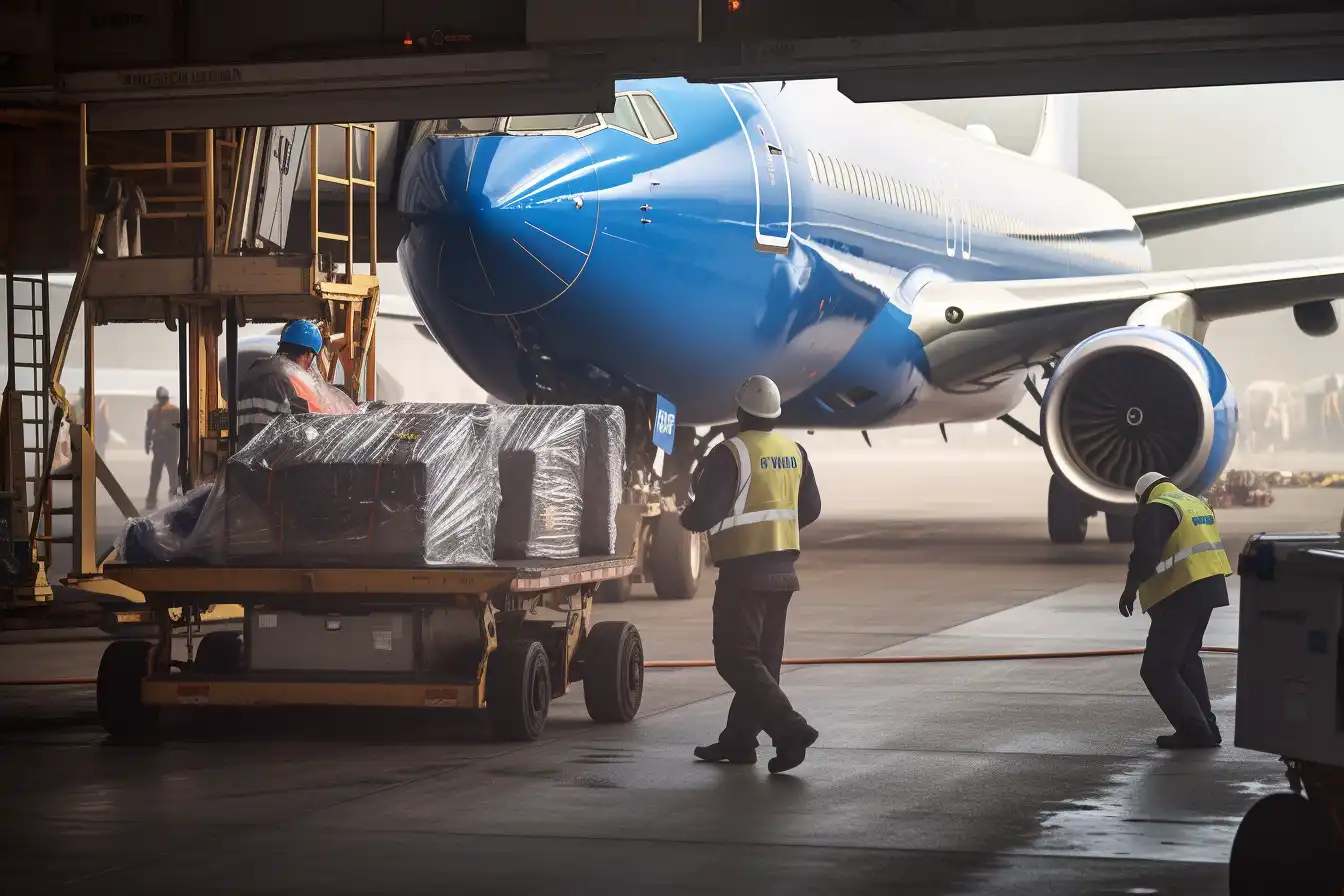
[{"x": 196, "y": 63}]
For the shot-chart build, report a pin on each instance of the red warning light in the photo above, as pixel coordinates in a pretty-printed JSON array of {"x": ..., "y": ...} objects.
[
  {"x": 406, "y": 41},
  {"x": 734, "y": 5}
]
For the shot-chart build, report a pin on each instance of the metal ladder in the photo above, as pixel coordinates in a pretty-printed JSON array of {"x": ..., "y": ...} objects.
[{"x": 29, "y": 399}]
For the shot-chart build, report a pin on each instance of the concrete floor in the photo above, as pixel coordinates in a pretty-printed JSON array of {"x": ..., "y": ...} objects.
[{"x": 1032, "y": 777}]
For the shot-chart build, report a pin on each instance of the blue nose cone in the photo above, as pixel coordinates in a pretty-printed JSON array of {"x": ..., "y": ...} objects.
[{"x": 514, "y": 217}]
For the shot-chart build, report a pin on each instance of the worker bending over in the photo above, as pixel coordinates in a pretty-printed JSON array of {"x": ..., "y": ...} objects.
[
  {"x": 1177, "y": 572},
  {"x": 287, "y": 383},
  {"x": 753, "y": 494}
]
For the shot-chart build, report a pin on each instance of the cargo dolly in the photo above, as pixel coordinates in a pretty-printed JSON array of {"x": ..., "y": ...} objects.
[
  {"x": 1290, "y": 704},
  {"x": 506, "y": 639}
]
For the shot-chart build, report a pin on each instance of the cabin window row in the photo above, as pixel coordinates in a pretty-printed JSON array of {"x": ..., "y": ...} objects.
[{"x": 842, "y": 175}]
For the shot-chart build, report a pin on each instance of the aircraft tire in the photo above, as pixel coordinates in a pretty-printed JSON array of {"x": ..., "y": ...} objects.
[
  {"x": 1066, "y": 517},
  {"x": 676, "y": 558},
  {"x": 1120, "y": 528}
]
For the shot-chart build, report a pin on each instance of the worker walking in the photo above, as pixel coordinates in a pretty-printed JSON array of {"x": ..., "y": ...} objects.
[
  {"x": 162, "y": 443},
  {"x": 1177, "y": 572},
  {"x": 752, "y": 495},
  {"x": 286, "y": 383}
]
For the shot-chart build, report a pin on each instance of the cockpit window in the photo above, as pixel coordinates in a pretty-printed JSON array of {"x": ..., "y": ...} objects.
[
  {"x": 552, "y": 124},
  {"x": 658, "y": 126},
  {"x": 623, "y": 116},
  {"x": 466, "y": 125}
]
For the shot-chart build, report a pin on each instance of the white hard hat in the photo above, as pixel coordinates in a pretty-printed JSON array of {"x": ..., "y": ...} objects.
[
  {"x": 1146, "y": 481},
  {"x": 759, "y": 397}
]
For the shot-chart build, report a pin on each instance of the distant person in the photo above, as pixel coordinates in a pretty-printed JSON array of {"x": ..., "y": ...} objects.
[
  {"x": 163, "y": 444},
  {"x": 752, "y": 495},
  {"x": 286, "y": 383},
  {"x": 1177, "y": 572},
  {"x": 102, "y": 428},
  {"x": 1332, "y": 415}
]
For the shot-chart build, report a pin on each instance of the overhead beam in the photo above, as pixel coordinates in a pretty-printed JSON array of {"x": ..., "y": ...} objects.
[{"x": 578, "y": 76}]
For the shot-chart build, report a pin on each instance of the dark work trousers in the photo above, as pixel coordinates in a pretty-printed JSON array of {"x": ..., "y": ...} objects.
[
  {"x": 162, "y": 460},
  {"x": 1171, "y": 666},
  {"x": 748, "y": 649}
]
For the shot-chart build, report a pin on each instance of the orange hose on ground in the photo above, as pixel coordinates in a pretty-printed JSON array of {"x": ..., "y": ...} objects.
[
  {"x": 951, "y": 658},
  {"x": 809, "y": 661}
]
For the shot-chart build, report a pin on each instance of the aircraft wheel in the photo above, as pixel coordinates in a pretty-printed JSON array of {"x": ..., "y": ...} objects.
[
  {"x": 613, "y": 591},
  {"x": 1066, "y": 517},
  {"x": 676, "y": 558},
  {"x": 1285, "y": 845},
  {"x": 1120, "y": 528}
]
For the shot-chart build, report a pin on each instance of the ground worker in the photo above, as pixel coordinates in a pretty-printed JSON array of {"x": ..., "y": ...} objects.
[
  {"x": 753, "y": 494},
  {"x": 1177, "y": 572},
  {"x": 162, "y": 443},
  {"x": 286, "y": 383}
]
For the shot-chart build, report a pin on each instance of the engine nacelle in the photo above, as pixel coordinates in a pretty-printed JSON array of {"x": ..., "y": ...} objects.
[{"x": 1130, "y": 400}]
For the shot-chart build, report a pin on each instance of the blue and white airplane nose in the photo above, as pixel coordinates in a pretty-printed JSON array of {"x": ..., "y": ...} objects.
[{"x": 517, "y": 217}]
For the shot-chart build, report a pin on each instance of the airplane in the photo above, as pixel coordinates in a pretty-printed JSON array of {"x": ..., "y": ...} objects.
[{"x": 885, "y": 268}]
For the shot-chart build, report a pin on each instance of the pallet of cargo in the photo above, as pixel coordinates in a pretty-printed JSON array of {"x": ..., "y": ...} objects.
[{"x": 505, "y": 638}]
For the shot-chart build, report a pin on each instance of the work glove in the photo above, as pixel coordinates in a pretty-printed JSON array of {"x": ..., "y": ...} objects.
[{"x": 1127, "y": 603}]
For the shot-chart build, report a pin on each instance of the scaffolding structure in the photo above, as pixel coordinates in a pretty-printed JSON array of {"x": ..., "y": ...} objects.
[{"x": 169, "y": 219}]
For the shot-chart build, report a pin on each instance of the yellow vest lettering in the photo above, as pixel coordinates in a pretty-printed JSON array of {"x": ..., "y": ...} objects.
[
  {"x": 764, "y": 517},
  {"x": 1194, "y": 551}
]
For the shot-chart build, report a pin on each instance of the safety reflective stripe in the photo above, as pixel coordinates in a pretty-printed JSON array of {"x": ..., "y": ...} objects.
[
  {"x": 738, "y": 517},
  {"x": 756, "y": 516},
  {"x": 264, "y": 404},
  {"x": 1186, "y": 554},
  {"x": 254, "y": 419}
]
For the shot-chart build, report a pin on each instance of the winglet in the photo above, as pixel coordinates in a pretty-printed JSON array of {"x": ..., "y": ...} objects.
[{"x": 1057, "y": 139}]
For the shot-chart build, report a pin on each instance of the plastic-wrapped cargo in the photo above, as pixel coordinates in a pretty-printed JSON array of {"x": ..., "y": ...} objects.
[
  {"x": 603, "y": 484},
  {"x": 541, "y": 463},
  {"x": 404, "y": 484}
]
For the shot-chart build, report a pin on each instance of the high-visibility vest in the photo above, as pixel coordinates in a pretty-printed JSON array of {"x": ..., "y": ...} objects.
[
  {"x": 764, "y": 517},
  {"x": 1193, "y": 552}
]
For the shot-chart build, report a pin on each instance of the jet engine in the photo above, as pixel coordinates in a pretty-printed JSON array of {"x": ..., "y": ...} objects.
[{"x": 1134, "y": 399}]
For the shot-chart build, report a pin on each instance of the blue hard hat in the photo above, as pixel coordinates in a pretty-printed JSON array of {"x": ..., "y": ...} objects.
[{"x": 304, "y": 334}]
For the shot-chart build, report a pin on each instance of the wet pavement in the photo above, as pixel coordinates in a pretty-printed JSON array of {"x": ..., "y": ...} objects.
[{"x": 1030, "y": 777}]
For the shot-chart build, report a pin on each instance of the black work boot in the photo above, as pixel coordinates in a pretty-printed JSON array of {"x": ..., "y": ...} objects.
[
  {"x": 791, "y": 753},
  {"x": 1202, "y": 740},
  {"x": 720, "y": 752}
]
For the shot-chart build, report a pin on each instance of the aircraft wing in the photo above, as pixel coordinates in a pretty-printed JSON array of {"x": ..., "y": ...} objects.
[
  {"x": 977, "y": 330},
  {"x": 1178, "y": 217}
]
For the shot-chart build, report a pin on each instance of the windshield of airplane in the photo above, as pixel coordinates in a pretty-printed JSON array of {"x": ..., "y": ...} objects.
[
  {"x": 552, "y": 124},
  {"x": 466, "y": 125}
]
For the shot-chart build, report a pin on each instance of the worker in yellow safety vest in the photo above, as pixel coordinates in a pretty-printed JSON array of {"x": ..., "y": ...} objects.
[
  {"x": 753, "y": 494},
  {"x": 1177, "y": 573}
]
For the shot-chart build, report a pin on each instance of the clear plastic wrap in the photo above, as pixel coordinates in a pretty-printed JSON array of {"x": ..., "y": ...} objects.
[
  {"x": 403, "y": 485},
  {"x": 603, "y": 471},
  {"x": 321, "y": 396},
  {"x": 541, "y": 462}
]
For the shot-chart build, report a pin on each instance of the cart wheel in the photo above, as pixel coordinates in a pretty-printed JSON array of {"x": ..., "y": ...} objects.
[
  {"x": 1285, "y": 845},
  {"x": 613, "y": 672},
  {"x": 676, "y": 558},
  {"x": 518, "y": 690},
  {"x": 613, "y": 591},
  {"x": 120, "y": 710},
  {"x": 220, "y": 653}
]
